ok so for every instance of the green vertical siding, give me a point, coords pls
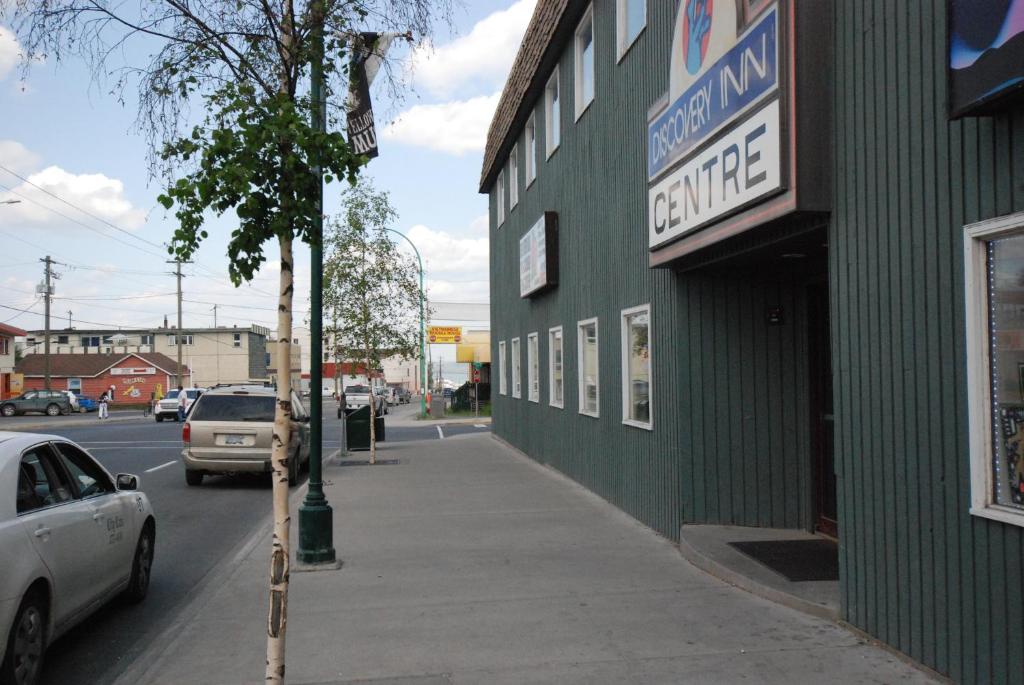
(917, 570)
(730, 442)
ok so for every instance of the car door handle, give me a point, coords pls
(42, 531)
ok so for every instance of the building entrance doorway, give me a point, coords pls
(822, 420)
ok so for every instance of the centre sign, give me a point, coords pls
(716, 146)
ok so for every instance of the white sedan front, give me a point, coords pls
(72, 537)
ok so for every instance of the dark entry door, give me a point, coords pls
(821, 410)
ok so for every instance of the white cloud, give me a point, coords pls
(452, 127)
(481, 224)
(10, 52)
(446, 254)
(95, 193)
(17, 157)
(482, 57)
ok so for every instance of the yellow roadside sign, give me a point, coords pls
(444, 334)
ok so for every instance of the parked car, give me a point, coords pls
(391, 396)
(167, 408)
(73, 399)
(73, 538)
(359, 396)
(230, 431)
(87, 404)
(404, 396)
(49, 402)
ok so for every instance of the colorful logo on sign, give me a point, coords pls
(696, 32)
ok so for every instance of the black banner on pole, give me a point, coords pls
(367, 52)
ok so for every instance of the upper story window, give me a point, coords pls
(589, 373)
(552, 115)
(146, 339)
(237, 341)
(584, 51)
(533, 367)
(631, 18)
(186, 339)
(499, 188)
(5, 346)
(513, 178)
(531, 149)
(502, 369)
(993, 263)
(90, 341)
(517, 390)
(556, 384)
(636, 366)
(62, 340)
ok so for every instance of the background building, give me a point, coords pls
(135, 376)
(7, 355)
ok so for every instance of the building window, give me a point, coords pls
(90, 341)
(586, 335)
(585, 62)
(513, 178)
(62, 340)
(531, 149)
(533, 367)
(5, 346)
(636, 366)
(993, 265)
(75, 385)
(502, 366)
(186, 339)
(108, 340)
(237, 342)
(631, 18)
(552, 115)
(500, 189)
(556, 385)
(517, 390)
(146, 339)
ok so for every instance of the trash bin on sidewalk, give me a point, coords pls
(357, 428)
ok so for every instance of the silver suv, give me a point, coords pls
(230, 430)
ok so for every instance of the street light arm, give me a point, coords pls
(423, 349)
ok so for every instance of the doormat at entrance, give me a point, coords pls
(366, 462)
(797, 560)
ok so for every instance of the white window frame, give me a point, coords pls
(146, 339)
(502, 369)
(621, 39)
(516, 353)
(533, 367)
(580, 385)
(979, 391)
(236, 340)
(549, 120)
(5, 346)
(623, 324)
(531, 150)
(551, 367)
(500, 189)
(578, 104)
(513, 178)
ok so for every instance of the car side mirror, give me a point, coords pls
(126, 481)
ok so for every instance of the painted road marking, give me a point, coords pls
(162, 466)
(440, 434)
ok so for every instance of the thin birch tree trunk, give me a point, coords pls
(277, 619)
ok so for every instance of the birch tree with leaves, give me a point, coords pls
(371, 288)
(250, 150)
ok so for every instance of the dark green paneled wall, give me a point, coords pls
(918, 570)
(730, 442)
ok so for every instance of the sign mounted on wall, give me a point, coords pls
(133, 371)
(538, 256)
(986, 54)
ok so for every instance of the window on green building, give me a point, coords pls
(636, 366)
(556, 387)
(589, 374)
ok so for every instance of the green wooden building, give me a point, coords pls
(762, 264)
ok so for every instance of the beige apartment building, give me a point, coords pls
(215, 355)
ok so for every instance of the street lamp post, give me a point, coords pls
(423, 363)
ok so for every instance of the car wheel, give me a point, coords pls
(194, 477)
(159, 418)
(142, 564)
(52, 410)
(26, 644)
(7, 410)
(81, 410)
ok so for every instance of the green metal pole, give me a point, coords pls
(316, 519)
(423, 328)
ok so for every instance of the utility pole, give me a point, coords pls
(214, 316)
(47, 294)
(178, 339)
(69, 319)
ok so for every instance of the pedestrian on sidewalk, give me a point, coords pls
(103, 405)
(182, 400)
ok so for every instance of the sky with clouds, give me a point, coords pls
(69, 152)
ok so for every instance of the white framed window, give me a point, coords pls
(630, 20)
(556, 381)
(502, 369)
(584, 62)
(5, 346)
(172, 340)
(589, 373)
(87, 341)
(146, 339)
(513, 177)
(531, 149)
(237, 341)
(517, 389)
(499, 189)
(993, 260)
(533, 367)
(552, 115)
(636, 366)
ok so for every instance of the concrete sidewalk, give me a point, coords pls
(468, 563)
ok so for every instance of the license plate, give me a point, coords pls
(234, 440)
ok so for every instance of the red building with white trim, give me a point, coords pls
(134, 375)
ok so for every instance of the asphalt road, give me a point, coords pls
(197, 528)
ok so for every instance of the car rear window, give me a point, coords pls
(234, 408)
(357, 389)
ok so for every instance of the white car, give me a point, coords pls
(167, 408)
(72, 536)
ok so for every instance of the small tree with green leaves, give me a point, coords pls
(371, 288)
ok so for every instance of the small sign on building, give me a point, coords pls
(538, 256)
(444, 334)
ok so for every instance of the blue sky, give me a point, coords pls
(67, 135)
